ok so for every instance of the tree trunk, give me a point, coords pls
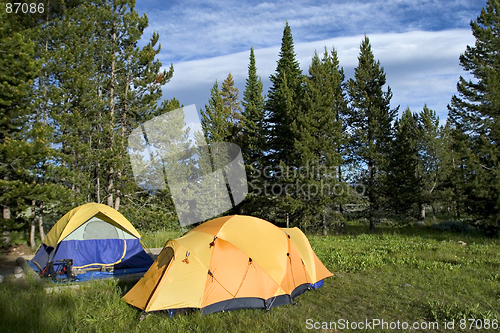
(40, 222)
(32, 224)
(117, 202)
(6, 212)
(123, 139)
(371, 196)
(45, 81)
(111, 175)
(434, 211)
(6, 207)
(371, 217)
(98, 194)
(32, 234)
(325, 227)
(117, 197)
(110, 188)
(341, 210)
(287, 221)
(422, 212)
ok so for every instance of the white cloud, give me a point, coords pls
(193, 30)
(421, 67)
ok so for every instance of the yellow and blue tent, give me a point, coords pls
(230, 263)
(95, 237)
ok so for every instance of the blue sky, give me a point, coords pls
(417, 42)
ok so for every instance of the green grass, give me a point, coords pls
(158, 238)
(407, 274)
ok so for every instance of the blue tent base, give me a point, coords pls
(249, 302)
(117, 273)
(128, 274)
(317, 285)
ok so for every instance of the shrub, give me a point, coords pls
(451, 225)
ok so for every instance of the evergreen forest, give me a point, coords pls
(319, 148)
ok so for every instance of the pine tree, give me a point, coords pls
(96, 86)
(46, 11)
(121, 28)
(18, 69)
(476, 122)
(457, 182)
(170, 136)
(371, 123)
(434, 158)
(253, 138)
(215, 119)
(26, 176)
(232, 107)
(221, 127)
(69, 96)
(253, 116)
(283, 103)
(282, 108)
(418, 169)
(138, 89)
(15, 75)
(404, 178)
(320, 137)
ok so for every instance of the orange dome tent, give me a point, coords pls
(230, 263)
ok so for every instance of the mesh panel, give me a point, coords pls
(100, 230)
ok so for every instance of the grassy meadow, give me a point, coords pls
(411, 274)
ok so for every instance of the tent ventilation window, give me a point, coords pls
(100, 230)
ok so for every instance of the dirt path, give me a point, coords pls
(9, 255)
(8, 258)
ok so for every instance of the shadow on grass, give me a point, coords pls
(27, 308)
(425, 232)
(125, 286)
